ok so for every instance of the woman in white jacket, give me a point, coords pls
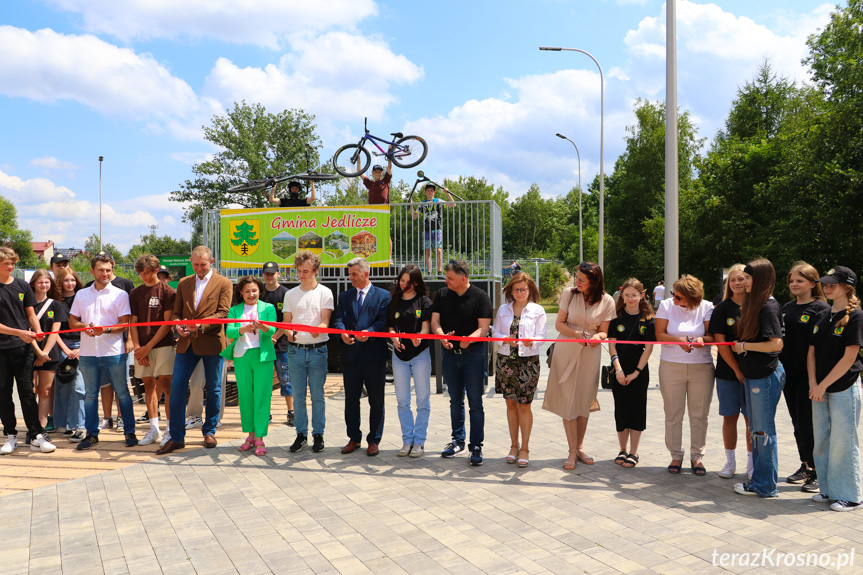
(521, 321)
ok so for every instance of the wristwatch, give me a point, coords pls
(107, 330)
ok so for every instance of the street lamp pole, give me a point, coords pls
(672, 259)
(601, 147)
(100, 202)
(580, 234)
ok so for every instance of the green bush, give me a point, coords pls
(552, 277)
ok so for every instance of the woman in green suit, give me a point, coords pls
(252, 350)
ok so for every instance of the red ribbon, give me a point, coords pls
(306, 328)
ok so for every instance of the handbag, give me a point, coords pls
(595, 405)
(607, 372)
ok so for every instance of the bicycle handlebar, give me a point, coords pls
(366, 125)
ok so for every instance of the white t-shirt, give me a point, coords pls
(305, 309)
(658, 293)
(248, 340)
(101, 308)
(684, 322)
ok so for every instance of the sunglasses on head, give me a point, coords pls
(585, 267)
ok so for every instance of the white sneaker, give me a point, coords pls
(165, 438)
(417, 451)
(821, 498)
(729, 469)
(42, 444)
(106, 423)
(150, 437)
(10, 445)
(405, 450)
(193, 422)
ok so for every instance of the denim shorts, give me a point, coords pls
(732, 397)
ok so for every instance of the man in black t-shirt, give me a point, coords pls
(274, 293)
(464, 310)
(18, 329)
(293, 200)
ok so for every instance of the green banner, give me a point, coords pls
(251, 237)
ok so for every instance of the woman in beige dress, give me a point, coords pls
(584, 313)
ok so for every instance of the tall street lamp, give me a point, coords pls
(601, 147)
(100, 202)
(672, 221)
(580, 235)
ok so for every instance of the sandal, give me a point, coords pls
(523, 461)
(621, 457)
(631, 461)
(587, 460)
(570, 466)
(674, 469)
(513, 452)
(698, 468)
(259, 448)
(250, 443)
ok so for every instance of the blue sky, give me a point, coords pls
(134, 81)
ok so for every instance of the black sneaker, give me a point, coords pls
(799, 476)
(318, 444)
(300, 442)
(131, 440)
(88, 442)
(476, 456)
(846, 506)
(811, 485)
(290, 418)
(451, 449)
(144, 418)
(49, 425)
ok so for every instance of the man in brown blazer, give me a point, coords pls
(204, 295)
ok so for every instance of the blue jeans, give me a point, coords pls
(413, 430)
(464, 374)
(283, 373)
(69, 397)
(837, 448)
(308, 367)
(116, 368)
(184, 365)
(762, 397)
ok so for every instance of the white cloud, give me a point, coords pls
(52, 163)
(336, 75)
(46, 67)
(258, 22)
(53, 212)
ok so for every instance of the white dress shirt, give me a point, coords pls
(200, 286)
(101, 308)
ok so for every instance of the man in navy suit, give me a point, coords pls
(363, 308)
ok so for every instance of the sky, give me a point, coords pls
(135, 80)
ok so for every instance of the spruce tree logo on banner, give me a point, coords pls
(245, 236)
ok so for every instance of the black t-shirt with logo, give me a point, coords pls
(461, 313)
(799, 319)
(630, 327)
(408, 316)
(756, 364)
(74, 335)
(277, 298)
(724, 321)
(830, 343)
(432, 212)
(293, 202)
(15, 298)
(55, 312)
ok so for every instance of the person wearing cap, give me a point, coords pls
(107, 392)
(293, 200)
(274, 294)
(834, 371)
(379, 184)
(431, 210)
(164, 274)
(58, 262)
(152, 301)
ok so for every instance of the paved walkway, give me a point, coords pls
(219, 511)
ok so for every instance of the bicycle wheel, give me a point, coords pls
(413, 151)
(346, 157)
(252, 185)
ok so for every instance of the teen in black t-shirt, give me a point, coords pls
(799, 316)
(634, 322)
(730, 387)
(274, 293)
(834, 371)
(50, 313)
(759, 341)
(410, 313)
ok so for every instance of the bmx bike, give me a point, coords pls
(353, 160)
(309, 175)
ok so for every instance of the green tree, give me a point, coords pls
(91, 248)
(13, 237)
(253, 144)
(635, 203)
(159, 247)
